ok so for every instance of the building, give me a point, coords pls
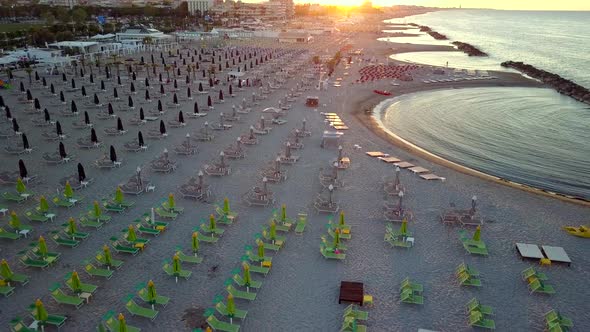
(139, 33)
(294, 37)
(64, 3)
(201, 6)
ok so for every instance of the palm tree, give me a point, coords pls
(117, 63)
(167, 69)
(29, 70)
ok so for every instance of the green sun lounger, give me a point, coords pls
(408, 296)
(231, 216)
(76, 235)
(467, 280)
(475, 250)
(52, 319)
(61, 202)
(6, 290)
(22, 279)
(51, 257)
(93, 217)
(466, 268)
(165, 214)
(350, 325)
(266, 235)
(357, 314)
(474, 305)
(189, 258)
(29, 262)
(530, 272)
(476, 319)
(240, 282)
(124, 249)
(112, 324)
(60, 297)
(331, 255)
(100, 259)
(301, 222)
(414, 287)
(255, 258)
(9, 235)
(64, 242)
(342, 234)
(182, 274)
(270, 246)
(259, 269)
(176, 209)
(238, 294)
(17, 325)
(147, 230)
(137, 310)
(217, 231)
(85, 288)
(34, 216)
(218, 325)
(208, 239)
(90, 223)
(222, 309)
(98, 272)
(537, 286)
(553, 317)
(112, 207)
(12, 197)
(160, 300)
(147, 219)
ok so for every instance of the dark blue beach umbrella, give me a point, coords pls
(175, 99)
(74, 107)
(26, 145)
(115, 93)
(140, 139)
(120, 125)
(83, 91)
(162, 127)
(37, 104)
(58, 130)
(130, 102)
(180, 117)
(147, 82)
(200, 87)
(209, 102)
(62, 150)
(63, 77)
(62, 98)
(196, 108)
(210, 82)
(93, 137)
(15, 125)
(46, 115)
(22, 169)
(133, 76)
(119, 80)
(91, 78)
(160, 108)
(81, 173)
(110, 109)
(162, 89)
(44, 81)
(175, 84)
(147, 94)
(102, 86)
(22, 87)
(29, 95)
(113, 154)
(141, 115)
(96, 100)
(86, 118)
(220, 94)
(52, 89)
(73, 84)
(132, 87)
(159, 76)
(188, 92)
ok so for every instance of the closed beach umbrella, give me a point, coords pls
(91, 78)
(210, 82)
(336, 238)
(5, 270)
(176, 83)
(113, 154)
(212, 223)
(131, 236)
(283, 213)
(141, 114)
(73, 84)
(196, 108)
(231, 308)
(176, 268)
(120, 125)
(43, 205)
(22, 169)
(52, 89)
(162, 127)
(273, 231)
(108, 258)
(93, 137)
(162, 89)
(62, 98)
(140, 139)
(72, 228)
(147, 95)
(151, 293)
(175, 99)
(81, 173)
(195, 242)
(239, 84)
(119, 80)
(119, 196)
(41, 314)
(86, 118)
(130, 102)
(7, 113)
(209, 102)
(477, 234)
(226, 209)
(180, 117)
(247, 277)
(122, 323)
(37, 104)
(75, 282)
(25, 140)
(46, 115)
(403, 230)
(260, 251)
(68, 191)
(42, 247)
(22, 87)
(73, 107)
(97, 212)
(110, 109)
(84, 94)
(15, 125)
(231, 91)
(200, 87)
(171, 202)
(160, 107)
(62, 150)
(58, 130)
(96, 100)
(132, 88)
(115, 93)
(342, 222)
(102, 86)
(14, 221)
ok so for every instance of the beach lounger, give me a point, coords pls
(240, 282)
(218, 325)
(60, 202)
(208, 239)
(112, 324)
(189, 258)
(22, 279)
(552, 317)
(414, 287)
(467, 280)
(474, 305)
(259, 269)
(466, 268)
(8, 235)
(64, 242)
(222, 309)
(120, 248)
(165, 214)
(5, 289)
(331, 255)
(301, 222)
(408, 296)
(255, 258)
(176, 209)
(12, 197)
(50, 257)
(182, 274)
(351, 311)
(350, 325)
(100, 259)
(88, 223)
(537, 286)
(34, 216)
(52, 319)
(60, 297)
(476, 250)
(531, 273)
(30, 262)
(147, 230)
(160, 300)
(476, 319)
(250, 296)
(93, 271)
(137, 310)
(86, 288)
(216, 231)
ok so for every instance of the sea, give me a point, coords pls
(532, 136)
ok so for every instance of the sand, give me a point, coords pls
(301, 291)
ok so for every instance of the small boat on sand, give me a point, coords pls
(581, 231)
(382, 92)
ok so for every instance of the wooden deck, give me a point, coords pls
(351, 292)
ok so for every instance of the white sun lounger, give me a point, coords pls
(530, 251)
(418, 170)
(431, 176)
(389, 160)
(556, 254)
(404, 164)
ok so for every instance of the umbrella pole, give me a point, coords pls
(176, 279)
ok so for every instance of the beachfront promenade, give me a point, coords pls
(300, 293)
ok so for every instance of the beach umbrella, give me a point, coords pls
(273, 231)
(131, 236)
(22, 170)
(119, 80)
(162, 127)
(200, 87)
(336, 238)
(84, 94)
(14, 221)
(231, 91)
(231, 308)
(130, 102)
(147, 95)
(97, 212)
(396, 182)
(171, 202)
(342, 222)
(115, 93)
(43, 205)
(473, 205)
(119, 196)
(42, 247)
(120, 125)
(52, 89)
(62, 150)
(140, 139)
(58, 130)
(210, 82)
(68, 191)
(159, 76)
(175, 99)
(226, 209)
(132, 88)
(175, 84)
(180, 117)
(477, 234)
(196, 108)
(7, 112)
(187, 80)
(147, 82)
(403, 230)
(160, 107)
(212, 223)
(62, 98)
(75, 281)
(113, 154)
(162, 89)
(102, 87)
(176, 268)
(96, 100)
(41, 314)
(110, 109)
(81, 173)
(73, 84)
(37, 104)
(151, 293)
(283, 213)
(20, 186)
(247, 278)
(122, 323)
(74, 107)
(108, 258)
(204, 75)
(141, 114)
(25, 140)
(15, 126)
(22, 89)
(93, 137)
(133, 76)
(91, 78)
(5, 271)
(260, 250)
(63, 77)
(195, 242)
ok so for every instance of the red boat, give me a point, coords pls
(382, 92)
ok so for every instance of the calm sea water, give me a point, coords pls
(532, 136)
(555, 41)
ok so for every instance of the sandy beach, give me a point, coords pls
(301, 291)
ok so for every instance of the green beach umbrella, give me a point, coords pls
(122, 323)
(247, 277)
(72, 226)
(273, 231)
(42, 247)
(176, 266)
(260, 250)
(336, 238)
(101, 328)
(108, 258)
(283, 213)
(20, 186)
(14, 221)
(151, 289)
(68, 191)
(40, 312)
(171, 202)
(212, 224)
(404, 228)
(97, 210)
(342, 222)
(477, 234)
(195, 242)
(43, 205)
(131, 236)
(231, 307)
(5, 270)
(76, 283)
(119, 196)
(226, 206)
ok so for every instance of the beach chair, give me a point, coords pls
(207, 239)
(60, 297)
(5, 289)
(75, 235)
(259, 269)
(52, 319)
(237, 278)
(50, 257)
(408, 296)
(414, 287)
(531, 273)
(160, 300)
(222, 309)
(250, 296)
(350, 325)
(89, 223)
(57, 239)
(62, 202)
(331, 255)
(189, 258)
(12, 197)
(137, 310)
(474, 305)
(476, 319)
(22, 279)
(175, 209)
(30, 262)
(115, 263)
(142, 229)
(93, 271)
(301, 222)
(467, 280)
(552, 317)
(34, 216)
(161, 212)
(218, 325)
(113, 325)
(255, 258)
(121, 248)
(537, 286)
(86, 288)
(182, 274)
(113, 207)
(9, 235)
(351, 311)
(147, 220)
(466, 268)
(17, 325)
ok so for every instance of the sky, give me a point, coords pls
(493, 4)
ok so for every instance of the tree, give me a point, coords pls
(79, 15)
(64, 35)
(62, 14)
(48, 18)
